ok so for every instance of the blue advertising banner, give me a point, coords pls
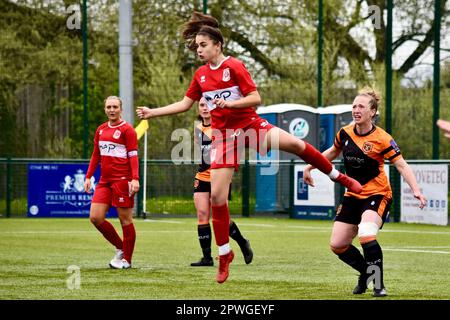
(57, 190)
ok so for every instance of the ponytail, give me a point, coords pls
(201, 24)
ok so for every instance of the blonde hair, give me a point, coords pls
(373, 94)
(114, 97)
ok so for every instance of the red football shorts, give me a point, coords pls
(115, 193)
(228, 144)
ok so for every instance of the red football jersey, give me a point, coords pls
(115, 147)
(230, 80)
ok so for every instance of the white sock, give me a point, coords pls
(333, 174)
(224, 249)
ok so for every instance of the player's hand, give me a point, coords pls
(221, 103)
(134, 187)
(87, 185)
(144, 112)
(307, 178)
(445, 126)
(422, 199)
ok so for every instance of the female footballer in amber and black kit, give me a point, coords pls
(365, 147)
(232, 96)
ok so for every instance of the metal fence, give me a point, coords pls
(170, 186)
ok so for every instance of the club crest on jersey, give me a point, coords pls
(202, 79)
(226, 75)
(367, 147)
(100, 132)
(116, 134)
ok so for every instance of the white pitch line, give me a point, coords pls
(256, 225)
(415, 231)
(88, 232)
(426, 247)
(162, 221)
(307, 227)
(417, 251)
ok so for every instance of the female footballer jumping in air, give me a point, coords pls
(202, 193)
(365, 147)
(232, 96)
(115, 148)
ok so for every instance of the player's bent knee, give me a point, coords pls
(126, 221)
(218, 200)
(367, 231)
(338, 250)
(203, 217)
(96, 220)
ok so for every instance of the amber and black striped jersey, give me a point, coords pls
(364, 157)
(203, 137)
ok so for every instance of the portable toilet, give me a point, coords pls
(273, 187)
(332, 119)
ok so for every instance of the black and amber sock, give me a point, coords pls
(204, 237)
(374, 259)
(236, 235)
(353, 257)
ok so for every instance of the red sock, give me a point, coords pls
(129, 238)
(108, 231)
(312, 156)
(221, 224)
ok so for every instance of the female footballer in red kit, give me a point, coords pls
(115, 148)
(232, 97)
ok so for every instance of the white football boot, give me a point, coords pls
(120, 264)
(118, 256)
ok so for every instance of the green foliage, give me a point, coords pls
(41, 97)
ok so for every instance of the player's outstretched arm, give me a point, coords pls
(177, 107)
(408, 175)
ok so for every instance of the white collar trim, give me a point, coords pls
(116, 126)
(218, 66)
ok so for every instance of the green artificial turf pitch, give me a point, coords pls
(292, 261)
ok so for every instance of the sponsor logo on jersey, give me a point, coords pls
(226, 75)
(367, 147)
(228, 94)
(116, 134)
(111, 149)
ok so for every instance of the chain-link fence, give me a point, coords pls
(169, 187)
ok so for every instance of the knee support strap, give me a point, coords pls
(367, 229)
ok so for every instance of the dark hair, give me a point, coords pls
(199, 117)
(201, 24)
